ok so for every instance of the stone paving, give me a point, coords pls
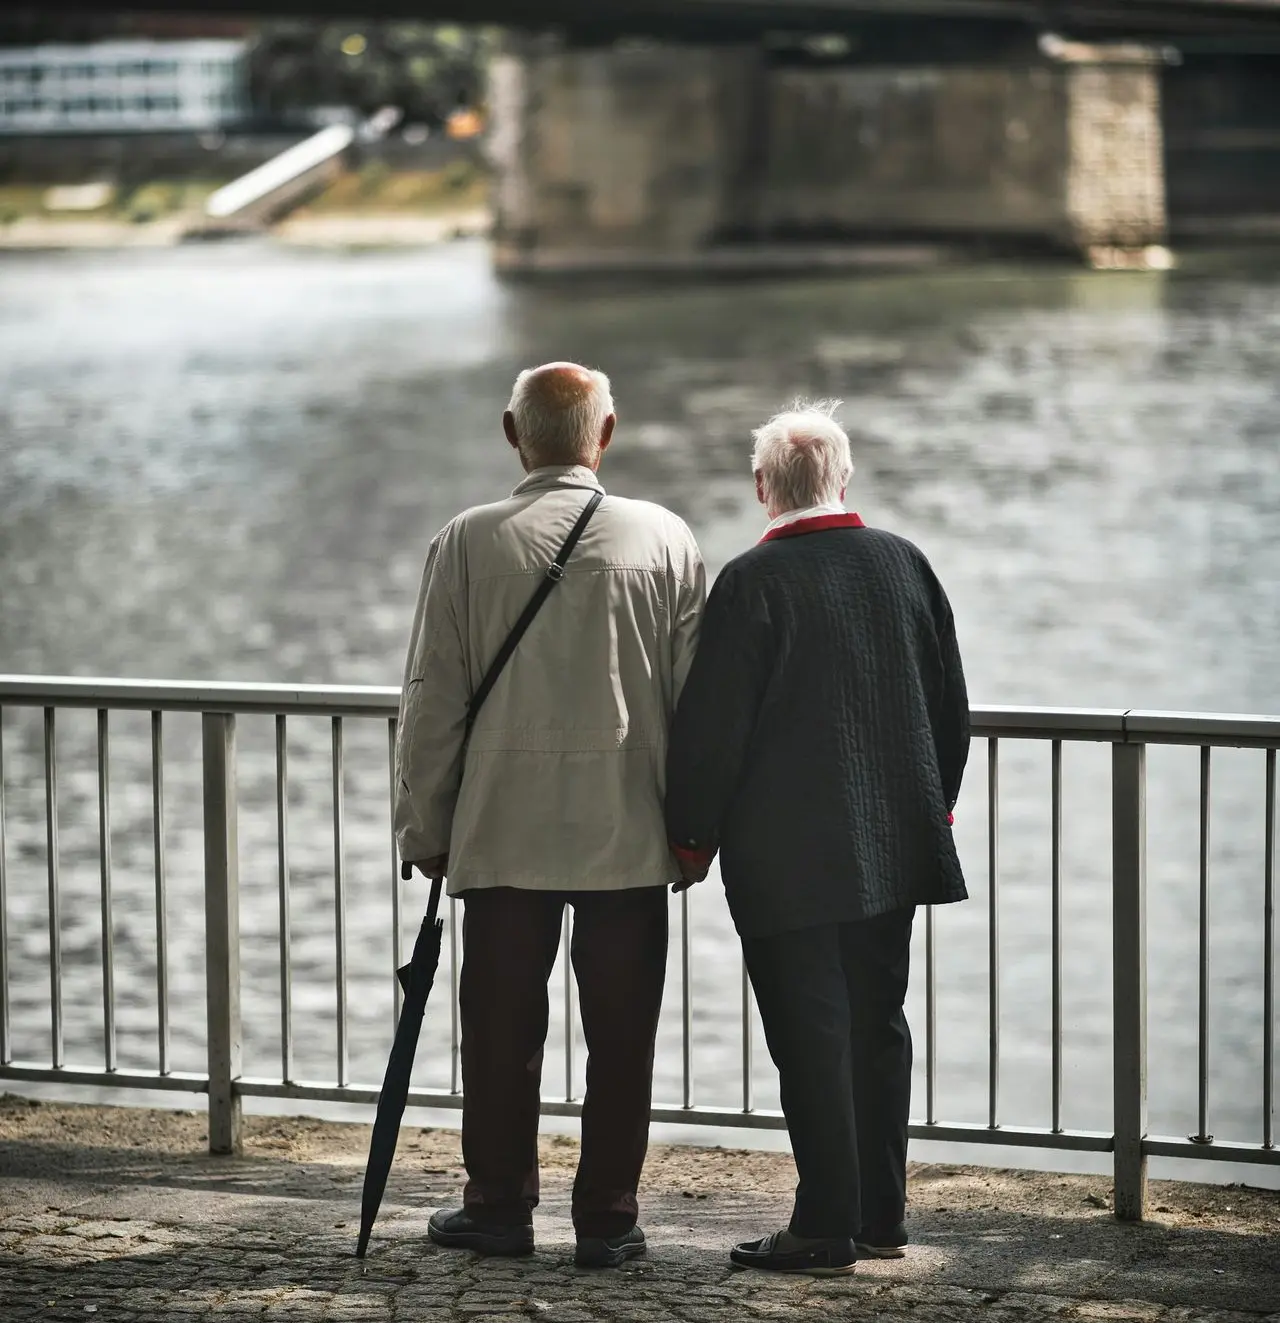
(112, 1213)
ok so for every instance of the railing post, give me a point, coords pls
(222, 930)
(1129, 975)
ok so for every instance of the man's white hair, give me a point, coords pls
(802, 456)
(558, 430)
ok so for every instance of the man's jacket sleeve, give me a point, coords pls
(431, 734)
(714, 721)
(691, 601)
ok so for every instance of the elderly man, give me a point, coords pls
(550, 796)
(819, 746)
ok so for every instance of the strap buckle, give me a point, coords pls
(555, 572)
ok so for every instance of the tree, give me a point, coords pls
(426, 70)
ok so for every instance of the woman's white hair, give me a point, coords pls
(556, 430)
(802, 456)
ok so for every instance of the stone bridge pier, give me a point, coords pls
(646, 156)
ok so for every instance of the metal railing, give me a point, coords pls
(1129, 733)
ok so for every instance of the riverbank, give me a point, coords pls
(46, 234)
(373, 207)
(120, 1213)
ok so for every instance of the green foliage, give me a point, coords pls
(425, 69)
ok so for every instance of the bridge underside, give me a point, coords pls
(729, 19)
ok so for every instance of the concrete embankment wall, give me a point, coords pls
(668, 150)
(884, 150)
(620, 149)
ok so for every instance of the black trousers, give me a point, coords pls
(831, 1003)
(619, 952)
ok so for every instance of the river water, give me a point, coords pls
(227, 462)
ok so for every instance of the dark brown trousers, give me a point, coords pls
(619, 951)
(831, 1003)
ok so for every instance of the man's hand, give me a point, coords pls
(693, 869)
(432, 868)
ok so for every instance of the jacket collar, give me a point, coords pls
(816, 524)
(558, 475)
(805, 512)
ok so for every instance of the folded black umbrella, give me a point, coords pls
(415, 979)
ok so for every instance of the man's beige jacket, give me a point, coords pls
(560, 785)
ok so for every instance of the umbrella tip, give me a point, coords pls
(362, 1245)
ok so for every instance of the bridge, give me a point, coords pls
(693, 134)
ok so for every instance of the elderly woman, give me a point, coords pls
(818, 747)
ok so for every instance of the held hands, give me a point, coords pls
(693, 869)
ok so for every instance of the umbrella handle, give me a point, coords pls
(433, 908)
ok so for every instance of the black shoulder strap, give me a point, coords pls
(555, 572)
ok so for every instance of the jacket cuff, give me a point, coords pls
(414, 848)
(692, 854)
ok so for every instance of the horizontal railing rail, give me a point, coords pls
(1128, 731)
(1115, 725)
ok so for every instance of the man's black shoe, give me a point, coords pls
(455, 1228)
(611, 1252)
(817, 1258)
(890, 1244)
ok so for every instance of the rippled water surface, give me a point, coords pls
(227, 463)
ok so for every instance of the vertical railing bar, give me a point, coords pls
(224, 1024)
(930, 1020)
(397, 945)
(455, 1073)
(1268, 956)
(104, 864)
(568, 1004)
(282, 882)
(1202, 1133)
(6, 1048)
(1129, 977)
(340, 900)
(686, 1008)
(1056, 883)
(55, 902)
(993, 934)
(748, 1090)
(161, 884)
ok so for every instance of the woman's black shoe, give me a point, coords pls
(455, 1228)
(610, 1252)
(819, 1258)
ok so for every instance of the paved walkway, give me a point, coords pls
(119, 1214)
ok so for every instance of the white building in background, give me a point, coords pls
(123, 86)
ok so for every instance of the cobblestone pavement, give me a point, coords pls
(112, 1213)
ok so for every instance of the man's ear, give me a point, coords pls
(509, 427)
(760, 496)
(606, 433)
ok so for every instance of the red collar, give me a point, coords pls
(815, 525)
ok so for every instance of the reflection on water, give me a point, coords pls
(227, 463)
